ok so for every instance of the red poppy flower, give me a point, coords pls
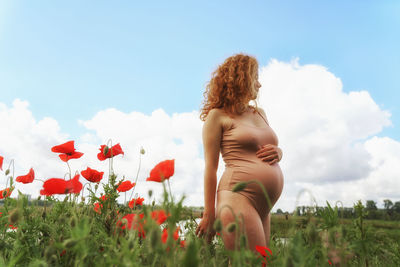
(12, 226)
(164, 235)
(73, 155)
(92, 175)
(103, 198)
(162, 171)
(133, 222)
(136, 202)
(159, 216)
(125, 186)
(176, 233)
(183, 243)
(65, 148)
(105, 151)
(262, 251)
(26, 179)
(68, 151)
(60, 186)
(54, 186)
(97, 207)
(73, 185)
(1, 162)
(5, 193)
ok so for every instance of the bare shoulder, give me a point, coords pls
(261, 110)
(218, 116)
(215, 114)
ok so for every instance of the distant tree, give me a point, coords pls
(371, 208)
(279, 211)
(371, 205)
(396, 207)
(388, 204)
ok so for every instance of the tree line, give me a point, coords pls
(390, 212)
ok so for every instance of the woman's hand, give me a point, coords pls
(205, 228)
(269, 153)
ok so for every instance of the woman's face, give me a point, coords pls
(255, 87)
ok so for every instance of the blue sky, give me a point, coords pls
(71, 59)
(329, 71)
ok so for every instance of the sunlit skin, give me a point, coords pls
(257, 229)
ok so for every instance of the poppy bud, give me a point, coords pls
(150, 193)
(96, 186)
(218, 225)
(7, 172)
(142, 151)
(14, 216)
(231, 227)
(83, 199)
(239, 187)
(69, 243)
(153, 203)
(105, 151)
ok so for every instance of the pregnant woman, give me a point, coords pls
(249, 148)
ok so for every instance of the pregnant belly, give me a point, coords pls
(268, 176)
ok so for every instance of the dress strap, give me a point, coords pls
(262, 117)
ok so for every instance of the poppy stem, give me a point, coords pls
(69, 168)
(170, 192)
(264, 191)
(111, 170)
(83, 188)
(137, 174)
(9, 165)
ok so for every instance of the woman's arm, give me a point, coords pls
(212, 131)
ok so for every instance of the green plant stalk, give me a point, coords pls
(264, 191)
(137, 175)
(69, 168)
(9, 165)
(170, 192)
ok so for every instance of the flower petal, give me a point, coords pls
(26, 179)
(67, 147)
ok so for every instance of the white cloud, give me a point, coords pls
(28, 142)
(327, 137)
(323, 132)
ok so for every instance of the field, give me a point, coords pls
(98, 231)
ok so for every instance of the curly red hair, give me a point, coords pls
(230, 85)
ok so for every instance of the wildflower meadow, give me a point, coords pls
(93, 229)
